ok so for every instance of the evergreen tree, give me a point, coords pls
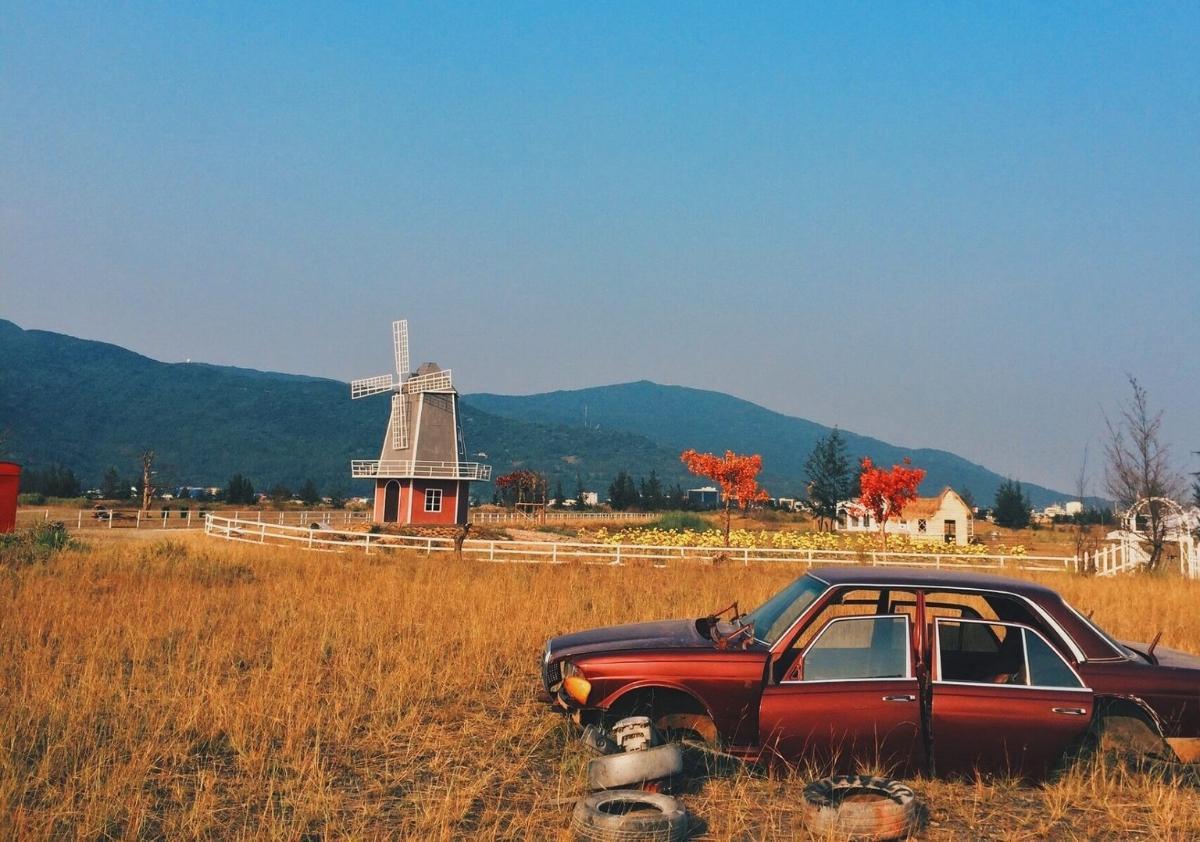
(653, 499)
(110, 488)
(280, 493)
(829, 477)
(54, 481)
(558, 494)
(622, 493)
(309, 493)
(676, 498)
(1012, 505)
(239, 491)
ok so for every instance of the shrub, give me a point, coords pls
(34, 545)
(680, 521)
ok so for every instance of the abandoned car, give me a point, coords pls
(941, 672)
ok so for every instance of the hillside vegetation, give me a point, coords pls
(91, 405)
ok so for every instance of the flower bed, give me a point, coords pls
(750, 539)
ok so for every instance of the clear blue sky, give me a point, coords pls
(944, 225)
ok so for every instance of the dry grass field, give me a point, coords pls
(188, 688)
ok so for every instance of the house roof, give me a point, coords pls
(925, 507)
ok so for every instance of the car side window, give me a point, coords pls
(1046, 667)
(857, 648)
(982, 652)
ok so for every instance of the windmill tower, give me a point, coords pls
(420, 477)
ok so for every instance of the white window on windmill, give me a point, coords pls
(433, 499)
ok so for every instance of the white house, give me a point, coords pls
(945, 518)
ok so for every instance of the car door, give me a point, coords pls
(850, 699)
(1003, 700)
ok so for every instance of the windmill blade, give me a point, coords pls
(370, 386)
(399, 422)
(400, 343)
(435, 381)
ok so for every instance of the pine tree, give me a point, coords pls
(309, 493)
(653, 499)
(829, 477)
(1012, 506)
(239, 490)
(558, 494)
(110, 488)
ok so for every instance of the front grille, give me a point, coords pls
(551, 675)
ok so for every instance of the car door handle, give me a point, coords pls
(1070, 711)
(906, 697)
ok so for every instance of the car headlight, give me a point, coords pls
(568, 669)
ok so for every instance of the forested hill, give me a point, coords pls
(91, 405)
(678, 417)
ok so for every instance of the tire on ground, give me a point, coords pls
(625, 815)
(635, 767)
(860, 807)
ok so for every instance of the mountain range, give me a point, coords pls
(91, 405)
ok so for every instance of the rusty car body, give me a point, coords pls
(941, 672)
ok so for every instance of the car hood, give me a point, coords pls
(660, 634)
(1170, 657)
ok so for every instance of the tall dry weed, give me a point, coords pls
(189, 689)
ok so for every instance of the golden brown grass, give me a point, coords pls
(190, 688)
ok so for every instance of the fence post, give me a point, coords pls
(137, 524)
(491, 550)
(110, 514)
(618, 561)
(554, 553)
(262, 532)
(368, 544)
(745, 556)
(79, 525)
(310, 532)
(189, 519)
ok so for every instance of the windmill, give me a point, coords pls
(420, 475)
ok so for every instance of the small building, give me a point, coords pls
(590, 498)
(10, 484)
(945, 518)
(708, 497)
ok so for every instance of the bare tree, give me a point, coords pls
(147, 488)
(1139, 466)
(1084, 541)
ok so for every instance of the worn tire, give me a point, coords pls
(635, 767)
(860, 807)
(629, 815)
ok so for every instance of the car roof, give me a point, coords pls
(929, 578)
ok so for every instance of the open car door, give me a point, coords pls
(1003, 700)
(850, 698)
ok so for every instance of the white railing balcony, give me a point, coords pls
(403, 469)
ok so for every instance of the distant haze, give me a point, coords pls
(955, 227)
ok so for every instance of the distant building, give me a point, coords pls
(707, 497)
(942, 518)
(591, 498)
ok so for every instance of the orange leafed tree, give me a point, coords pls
(885, 493)
(737, 476)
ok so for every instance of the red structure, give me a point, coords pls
(10, 482)
(420, 476)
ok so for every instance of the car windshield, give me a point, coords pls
(776, 615)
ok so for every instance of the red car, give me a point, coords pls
(917, 670)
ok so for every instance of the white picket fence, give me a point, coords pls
(181, 519)
(566, 552)
(558, 517)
